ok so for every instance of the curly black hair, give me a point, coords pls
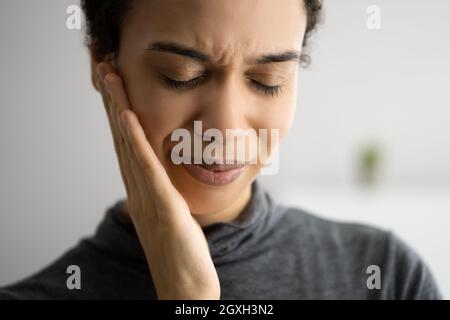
(104, 19)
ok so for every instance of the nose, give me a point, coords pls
(224, 106)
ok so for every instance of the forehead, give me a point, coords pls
(221, 28)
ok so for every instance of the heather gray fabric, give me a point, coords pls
(269, 252)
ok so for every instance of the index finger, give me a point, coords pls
(117, 98)
(128, 123)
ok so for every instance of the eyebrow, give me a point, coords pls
(182, 50)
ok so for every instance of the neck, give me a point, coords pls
(229, 214)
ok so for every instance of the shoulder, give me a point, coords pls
(356, 246)
(322, 231)
(51, 281)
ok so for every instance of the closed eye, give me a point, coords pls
(183, 85)
(271, 91)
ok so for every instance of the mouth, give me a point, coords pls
(215, 174)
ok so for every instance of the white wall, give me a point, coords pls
(58, 171)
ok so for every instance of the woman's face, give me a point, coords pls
(239, 73)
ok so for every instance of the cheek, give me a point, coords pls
(280, 113)
(160, 112)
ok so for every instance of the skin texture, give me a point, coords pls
(166, 204)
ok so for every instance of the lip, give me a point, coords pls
(215, 174)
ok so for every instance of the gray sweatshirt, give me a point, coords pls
(269, 252)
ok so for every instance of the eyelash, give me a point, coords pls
(270, 91)
(183, 85)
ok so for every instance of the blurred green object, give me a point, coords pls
(369, 163)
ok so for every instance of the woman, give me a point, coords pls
(208, 230)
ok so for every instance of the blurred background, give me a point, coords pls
(370, 142)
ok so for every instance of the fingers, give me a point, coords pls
(142, 169)
(103, 70)
(115, 91)
(154, 172)
(117, 103)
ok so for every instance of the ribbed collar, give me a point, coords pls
(227, 240)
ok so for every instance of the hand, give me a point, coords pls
(173, 242)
